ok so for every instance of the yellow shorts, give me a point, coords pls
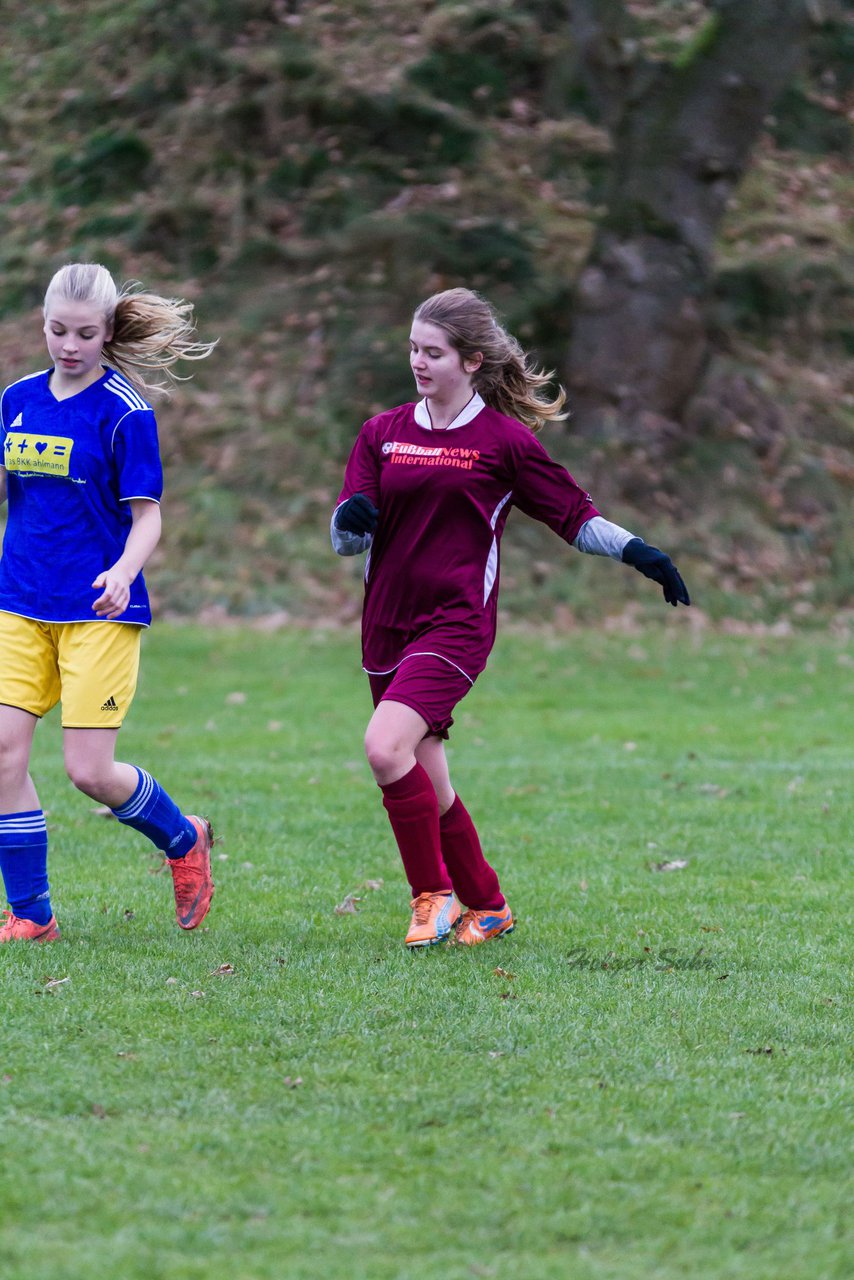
(91, 666)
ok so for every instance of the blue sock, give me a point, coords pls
(23, 862)
(154, 813)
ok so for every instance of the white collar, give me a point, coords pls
(469, 411)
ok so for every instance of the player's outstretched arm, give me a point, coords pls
(655, 564)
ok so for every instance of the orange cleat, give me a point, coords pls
(16, 929)
(191, 877)
(479, 926)
(433, 917)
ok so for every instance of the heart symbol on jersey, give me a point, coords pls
(41, 446)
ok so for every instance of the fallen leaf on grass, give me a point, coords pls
(103, 811)
(507, 995)
(222, 971)
(99, 1111)
(170, 982)
(710, 928)
(766, 1049)
(722, 977)
(50, 983)
(504, 973)
(677, 864)
(236, 699)
(292, 1083)
(347, 907)
(198, 994)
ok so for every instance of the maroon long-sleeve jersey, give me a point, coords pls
(431, 581)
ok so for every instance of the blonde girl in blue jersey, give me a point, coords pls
(82, 474)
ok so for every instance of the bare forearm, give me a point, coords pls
(142, 539)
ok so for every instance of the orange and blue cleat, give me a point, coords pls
(16, 929)
(479, 926)
(433, 918)
(191, 877)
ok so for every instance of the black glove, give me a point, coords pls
(357, 515)
(654, 564)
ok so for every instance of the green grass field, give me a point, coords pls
(648, 1079)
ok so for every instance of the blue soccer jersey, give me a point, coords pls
(72, 467)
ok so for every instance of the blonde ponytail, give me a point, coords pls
(150, 334)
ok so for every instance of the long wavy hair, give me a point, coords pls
(150, 333)
(507, 379)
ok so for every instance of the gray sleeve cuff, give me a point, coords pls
(599, 537)
(348, 544)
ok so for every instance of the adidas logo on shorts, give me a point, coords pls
(110, 704)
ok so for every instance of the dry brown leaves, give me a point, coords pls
(50, 984)
(347, 905)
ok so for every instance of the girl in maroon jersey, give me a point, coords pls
(427, 492)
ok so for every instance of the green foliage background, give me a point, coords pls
(307, 172)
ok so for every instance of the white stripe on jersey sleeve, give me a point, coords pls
(120, 382)
(124, 392)
(492, 559)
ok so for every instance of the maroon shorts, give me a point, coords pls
(429, 685)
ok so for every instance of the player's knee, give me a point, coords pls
(87, 776)
(383, 753)
(14, 761)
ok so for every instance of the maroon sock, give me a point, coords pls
(475, 883)
(413, 812)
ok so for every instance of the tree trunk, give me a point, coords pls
(682, 133)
